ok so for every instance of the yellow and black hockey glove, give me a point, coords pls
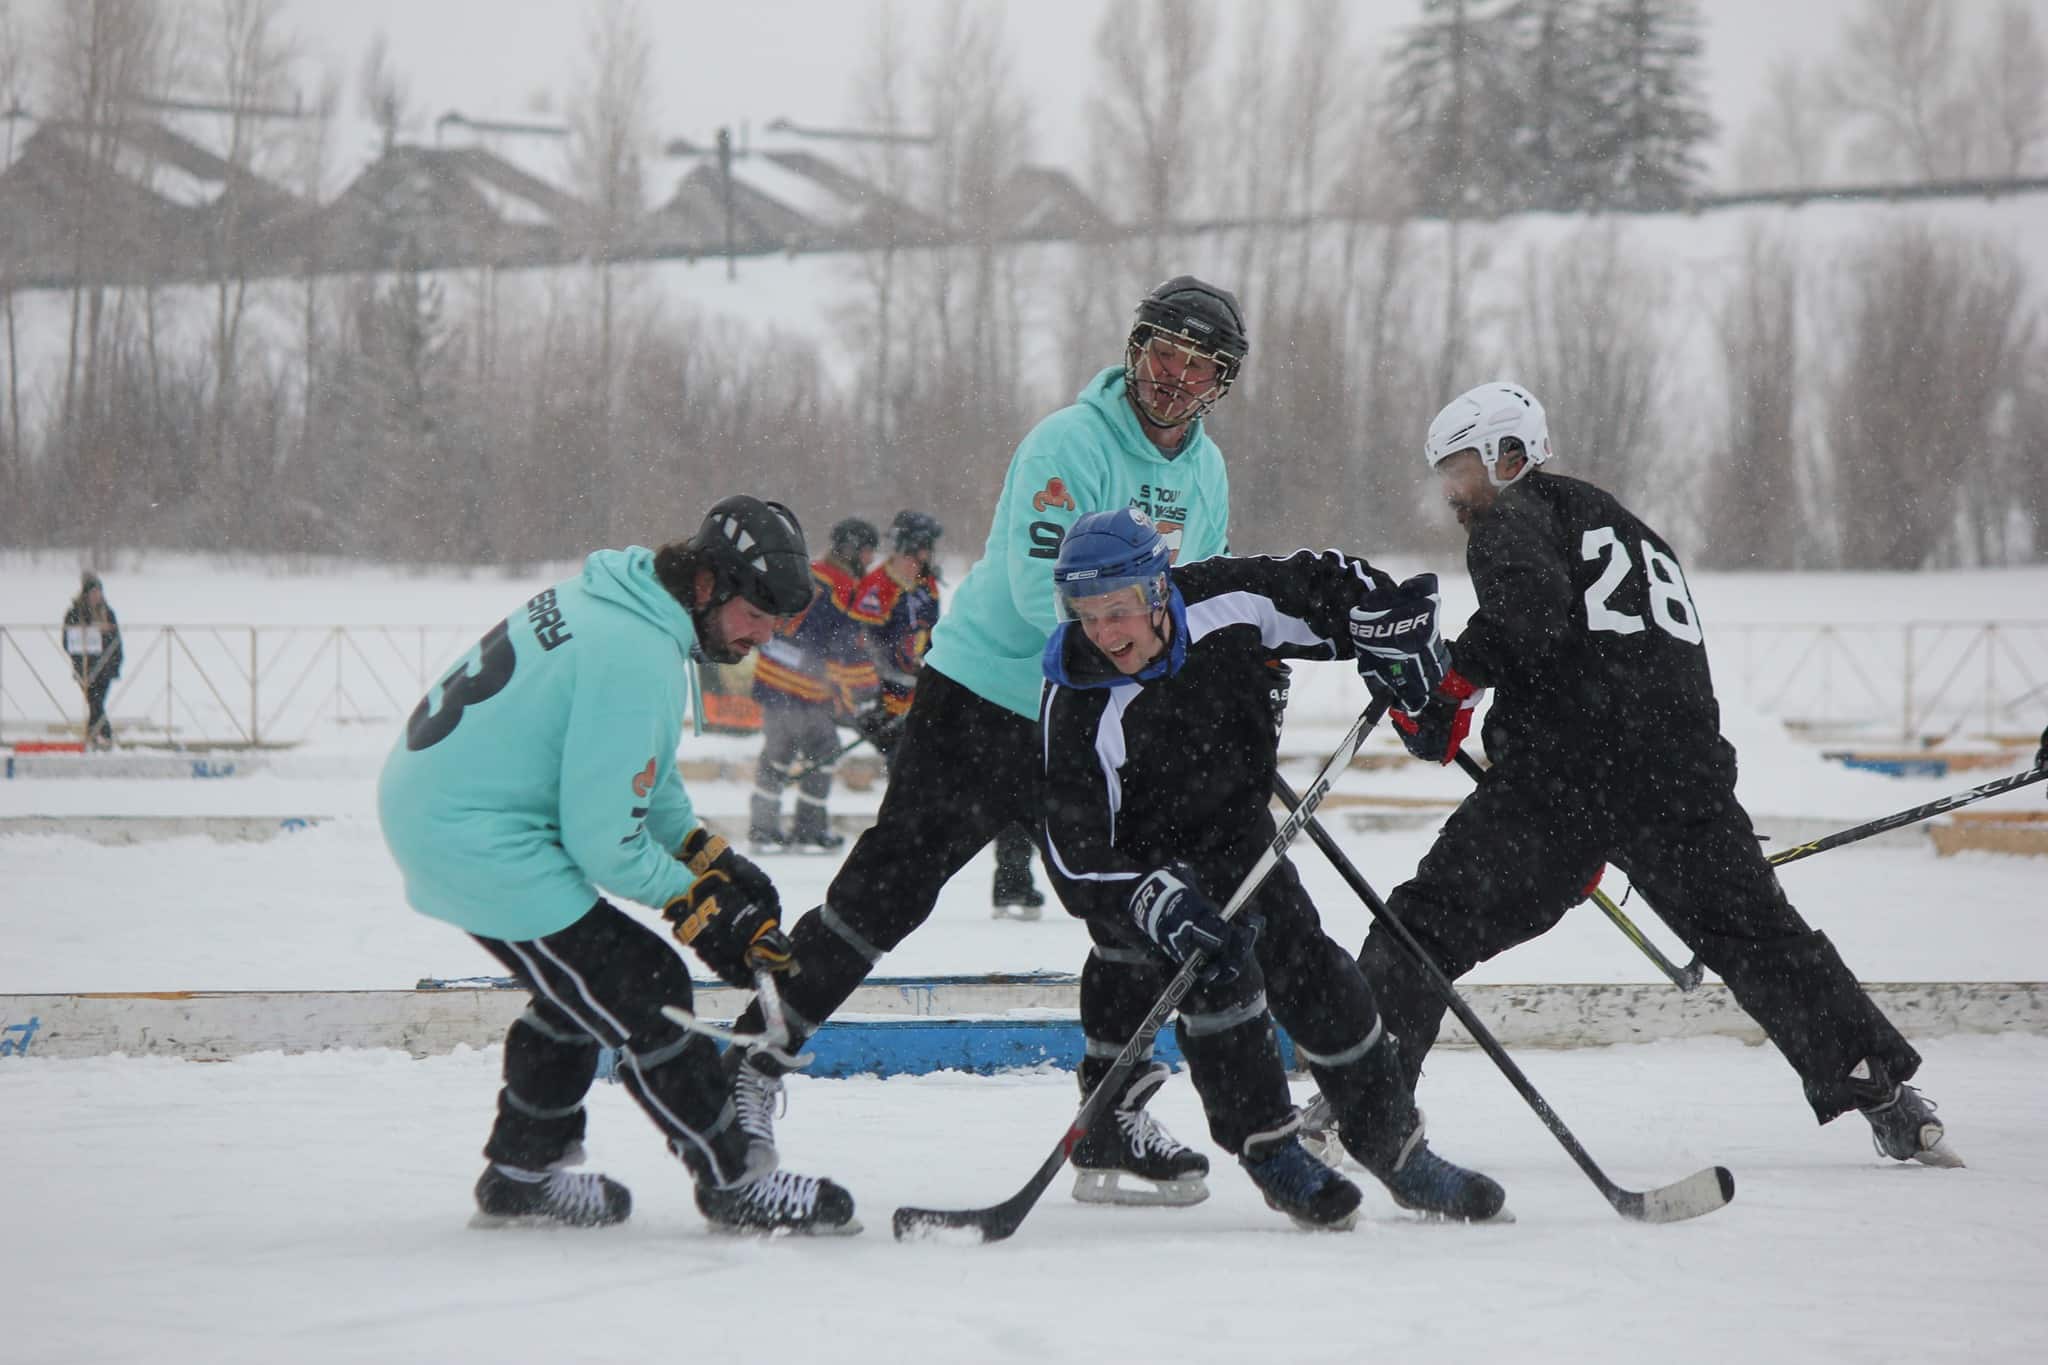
(731, 916)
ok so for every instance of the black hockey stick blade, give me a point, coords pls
(991, 1224)
(1695, 1196)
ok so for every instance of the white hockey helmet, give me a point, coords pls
(1481, 418)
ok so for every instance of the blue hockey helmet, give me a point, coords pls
(1105, 552)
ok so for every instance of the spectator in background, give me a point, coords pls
(92, 637)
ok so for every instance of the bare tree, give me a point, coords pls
(100, 56)
(12, 94)
(1940, 330)
(1789, 139)
(252, 59)
(384, 94)
(1897, 80)
(611, 129)
(2009, 90)
(1588, 341)
(1754, 513)
(883, 97)
(1154, 114)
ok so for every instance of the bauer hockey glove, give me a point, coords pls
(1395, 635)
(731, 916)
(1438, 730)
(1170, 909)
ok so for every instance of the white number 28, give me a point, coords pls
(1670, 600)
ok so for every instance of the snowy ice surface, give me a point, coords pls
(313, 1209)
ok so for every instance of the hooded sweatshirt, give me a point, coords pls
(1091, 456)
(542, 766)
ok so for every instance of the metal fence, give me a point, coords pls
(227, 685)
(251, 685)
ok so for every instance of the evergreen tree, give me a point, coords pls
(1554, 102)
(1453, 91)
(1652, 117)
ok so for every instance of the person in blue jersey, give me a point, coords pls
(1159, 762)
(967, 764)
(538, 777)
(813, 675)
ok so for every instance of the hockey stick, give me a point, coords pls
(894, 730)
(772, 1040)
(1886, 823)
(1685, 978)
(1697, 1194)
(1000, 1220)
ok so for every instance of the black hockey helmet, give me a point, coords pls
(1199, 317)
(914, 531)
(852, 535)
(755, 550)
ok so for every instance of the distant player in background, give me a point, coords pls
(1159, 763)
(1606, 746)
(905, 591)
(544, 767)
(814, 675)
(92, 640)
(967, 765)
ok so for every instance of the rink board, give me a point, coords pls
(905, 1026)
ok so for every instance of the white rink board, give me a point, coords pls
(211, 1025)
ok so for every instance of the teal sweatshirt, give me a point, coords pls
(1089, 457)
(543, 766)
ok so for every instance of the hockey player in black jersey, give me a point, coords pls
(1606, 747)
(1159, 759)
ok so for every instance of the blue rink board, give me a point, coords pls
(917, 1047)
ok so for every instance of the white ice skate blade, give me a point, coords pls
(1106, 1187)
(1505, 1216)
(1939, 1154)
(1024, 913)
(845, 1229)
(529, 1222)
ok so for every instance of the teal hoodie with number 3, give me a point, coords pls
(542, 766)
(1091, 456)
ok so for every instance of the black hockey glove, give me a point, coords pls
(878, 727)
(1279, 681)
(1170, 909)
(1395, 634)
(2041, 754)
(731, 916)
(1438, 730)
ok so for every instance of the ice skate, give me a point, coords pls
(1427, 1184)
(811, 833)
(1296, 1184)
(507, 1196)
(765, 840)
(1128, 1157)
(758, 1101)
(1024, 903)
(780, 1202)
(1902, 1124)
(1319, 1133)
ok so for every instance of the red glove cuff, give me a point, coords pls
(1458, 687)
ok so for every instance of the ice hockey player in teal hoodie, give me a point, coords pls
(539, 775)
(968, 763)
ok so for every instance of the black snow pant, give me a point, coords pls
(794, 736)
(95, 681)
(1519, 852)
(1299, 976)
(603, 981)
(963, 770)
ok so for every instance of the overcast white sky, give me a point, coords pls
(748, 61)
